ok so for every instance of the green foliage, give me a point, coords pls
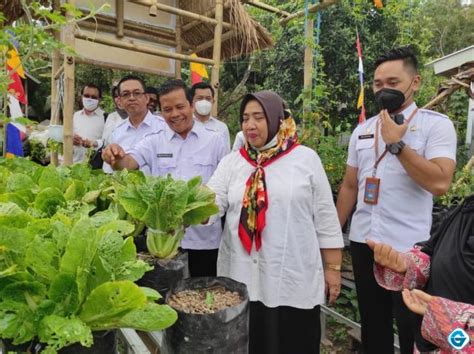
(333, 154)
(166, 206)
(67, 267)
(347, 304)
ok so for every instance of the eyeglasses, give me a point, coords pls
(90, 96)
(128, 95)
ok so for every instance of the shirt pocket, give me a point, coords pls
(365, 152)
(418, 145)
(166, 165)
(204, 167)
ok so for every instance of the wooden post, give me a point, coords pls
(184, 13)
(179, 46)
(55, 65)
(69, 90)
(308, 70)
(216, 55)
(140, 48)
(119, 5)
(267, 7)
(311, 9)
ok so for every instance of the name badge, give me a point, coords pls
(371, 193)
(366, 136)
(165, 155)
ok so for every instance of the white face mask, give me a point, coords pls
(90, 104)
(203, 107)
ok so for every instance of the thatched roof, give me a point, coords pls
(12, 9)
(250, 35)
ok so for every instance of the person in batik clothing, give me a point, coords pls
(443, 267)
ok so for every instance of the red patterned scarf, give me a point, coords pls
(255, 202)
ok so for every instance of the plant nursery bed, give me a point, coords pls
(205, 300)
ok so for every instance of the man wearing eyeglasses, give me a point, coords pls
(88, 123)
(140, 122)
(183, 149)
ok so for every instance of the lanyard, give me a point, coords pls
(377, 157)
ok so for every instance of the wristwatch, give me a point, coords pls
(396, 148)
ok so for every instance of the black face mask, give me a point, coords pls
(389, 99)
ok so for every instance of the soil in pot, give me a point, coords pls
(206, 300)
(166, 272)
(213, 317)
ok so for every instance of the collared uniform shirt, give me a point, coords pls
(300, 220)
(215, 125)
(402, 216)
(166, 152)
(113, 121)
(88, 127)
(127, 136)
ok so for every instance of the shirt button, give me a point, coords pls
(255, 261)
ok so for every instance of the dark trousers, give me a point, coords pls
(284, 330)
(378, 306)
(202, 263)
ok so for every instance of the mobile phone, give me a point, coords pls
(398, 118)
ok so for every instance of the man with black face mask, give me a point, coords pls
(397, 161)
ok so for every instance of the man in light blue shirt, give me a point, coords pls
(184, 150)
(140, 121)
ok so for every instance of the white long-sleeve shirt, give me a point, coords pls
(300, 220)
(87, 127)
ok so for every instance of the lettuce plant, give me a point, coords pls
(167, 206)
(62, 279)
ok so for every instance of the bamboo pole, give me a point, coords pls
(59, 71)
(131, 32)
(119, 5)
(55, 64)
(308, 70)
(206, 45)
(115, 66)
(266, 7)
(141, 49)
(216, 56)
(181, 12)
(179, 46)
(69, 90)
(311, 9)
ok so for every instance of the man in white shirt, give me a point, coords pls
(88, 123)
(114, 119)
(140, 121)
(203, 98)
(183, 149)
(397, 161)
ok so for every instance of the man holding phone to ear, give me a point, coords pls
(397, 161)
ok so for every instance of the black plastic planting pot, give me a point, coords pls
(105, 342)
(226, 331)
(166, 273)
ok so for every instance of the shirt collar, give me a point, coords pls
(98, 112)
(211, 118)
(409, 110)
(148, 120)
(170, 133)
